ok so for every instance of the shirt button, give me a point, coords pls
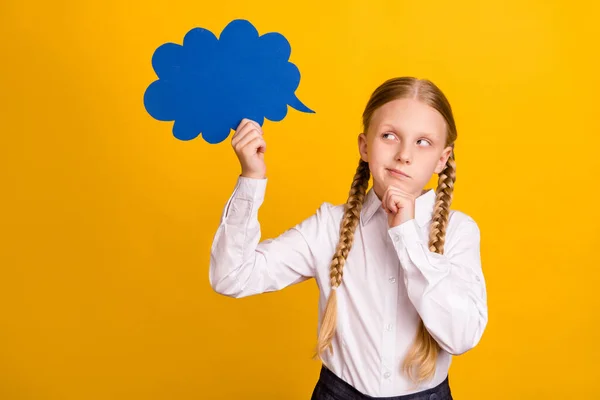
(396, 238)
(387, 375)
(434, 397)
(392, 279)
(388, 327)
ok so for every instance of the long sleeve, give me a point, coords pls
(448, 290)
(241, 265)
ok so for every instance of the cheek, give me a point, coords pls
(431, 163)
(381, 152)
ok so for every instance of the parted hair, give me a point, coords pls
(420, 362)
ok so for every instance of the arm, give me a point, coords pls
(447, 290)
(241, 265)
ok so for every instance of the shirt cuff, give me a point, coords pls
(407, 233)
(252, 189)
(412, 247)
(247, 197)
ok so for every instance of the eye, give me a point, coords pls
(426, 141)
(386, 134)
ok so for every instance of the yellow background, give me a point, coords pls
(108, 219)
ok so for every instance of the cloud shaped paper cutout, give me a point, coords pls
(208, 85)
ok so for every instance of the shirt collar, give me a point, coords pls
(423, 207)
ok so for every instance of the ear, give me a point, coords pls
(362, 147)
(443, 159)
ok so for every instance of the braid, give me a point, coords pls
(441, 213)
(423, 354)
(348, 226)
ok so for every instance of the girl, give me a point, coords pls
(404, 290)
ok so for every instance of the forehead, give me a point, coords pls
(408, 116)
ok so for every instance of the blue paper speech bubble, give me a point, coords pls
(208, 85)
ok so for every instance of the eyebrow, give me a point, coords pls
(388, 126)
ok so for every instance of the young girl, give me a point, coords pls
(399, 272)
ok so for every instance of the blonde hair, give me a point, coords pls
(420, 362)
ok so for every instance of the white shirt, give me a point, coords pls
(390, 279)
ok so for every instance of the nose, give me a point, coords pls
(404, 154)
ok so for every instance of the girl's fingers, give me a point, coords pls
(249, 148)
(243, 128)
(248, 137)
(388, 201)
(263, 146)
(244, 131)
(392, 199)
(239, 134)
(392, 203)
(256, 125)
(256, 145)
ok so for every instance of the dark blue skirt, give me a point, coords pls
(332, 387)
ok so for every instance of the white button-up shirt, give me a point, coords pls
(391, 279)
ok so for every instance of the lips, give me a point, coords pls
(398, 173)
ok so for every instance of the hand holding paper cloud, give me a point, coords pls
(250, 147)
(208, 85)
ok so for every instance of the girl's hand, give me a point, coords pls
(399, 206)
(250, 147)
